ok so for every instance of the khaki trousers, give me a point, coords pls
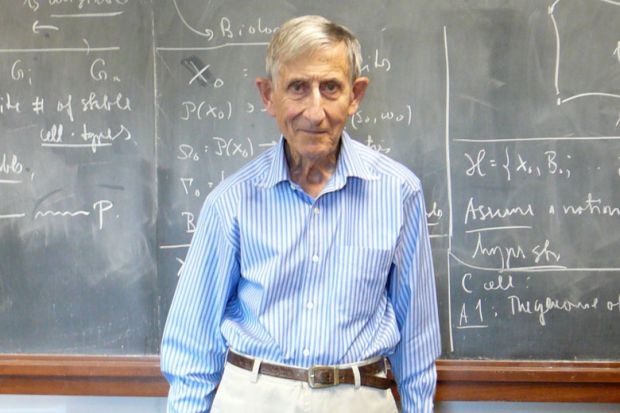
(242, 391)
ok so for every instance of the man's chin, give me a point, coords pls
(318, 151)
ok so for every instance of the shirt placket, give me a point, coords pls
(315, 251)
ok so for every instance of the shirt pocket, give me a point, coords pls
(361, 280)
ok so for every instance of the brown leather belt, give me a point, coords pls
(318, 376)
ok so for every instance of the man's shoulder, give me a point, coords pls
(385, 167)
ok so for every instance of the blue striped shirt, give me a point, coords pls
(276, 274)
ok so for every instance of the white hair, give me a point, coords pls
(306, 34)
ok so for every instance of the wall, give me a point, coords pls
(62, 404)
(66, 404)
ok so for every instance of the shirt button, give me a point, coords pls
(316, 211)
(306, 352)
(310, 305)
(315, 258)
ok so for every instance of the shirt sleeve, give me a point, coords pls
(413, 295)
(193, 348)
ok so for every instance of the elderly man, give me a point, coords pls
(311, 266)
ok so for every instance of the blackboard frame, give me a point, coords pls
(458, 380)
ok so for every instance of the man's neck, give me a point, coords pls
(311, 174)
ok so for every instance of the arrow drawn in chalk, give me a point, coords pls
(36, 27)
(208, 33)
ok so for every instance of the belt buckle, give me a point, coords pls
(311, 377)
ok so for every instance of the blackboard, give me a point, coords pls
(117, 117)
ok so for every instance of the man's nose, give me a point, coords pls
(315, 111)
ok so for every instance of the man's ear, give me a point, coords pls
(357, 94)
(265, 90)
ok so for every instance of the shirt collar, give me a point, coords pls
(349, 165)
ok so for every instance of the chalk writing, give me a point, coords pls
(481, 212)
(83, 3)
(501, 283)
(187, 152)
(19, 73)
(505, 253)
(38, 105)
(52, 135)
(229, 30)
(206, 111)
(66, 107)
(614, 305)
(97, 139)
(32, 4)
(11, 165)
(105, 103)
(361, 118)
(464, 319)
(592, 206)
(230, 147)
(377, 61)
(190, 226)
(378, 146)
(512, 164)
(98, 71)
(540, 308)
(187, 187)
(435, 214)
(98, 209)
(8, 104)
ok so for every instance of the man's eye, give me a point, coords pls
(297, 87)
(331, 87)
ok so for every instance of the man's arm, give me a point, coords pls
(193, 349)
(412, 291)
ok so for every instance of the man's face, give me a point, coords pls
(311, 99)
